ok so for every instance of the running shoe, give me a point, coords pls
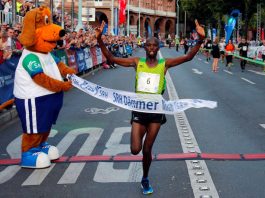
(147, 188)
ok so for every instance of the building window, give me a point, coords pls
(98, 2)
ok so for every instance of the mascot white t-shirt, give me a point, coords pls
(30, 64)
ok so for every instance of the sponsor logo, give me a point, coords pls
(136, 118)
(33, 65)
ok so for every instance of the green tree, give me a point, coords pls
(214, 12)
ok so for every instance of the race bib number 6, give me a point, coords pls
(148, 82)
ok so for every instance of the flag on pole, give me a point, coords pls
(231, 24)
(122, 8)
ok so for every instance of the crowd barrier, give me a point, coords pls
(7, 18)
(254, 54)
(79, 59)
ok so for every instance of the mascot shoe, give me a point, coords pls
(33, 158)
(50, 150)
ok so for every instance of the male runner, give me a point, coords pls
(150, 76)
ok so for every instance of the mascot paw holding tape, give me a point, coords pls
(39, 87)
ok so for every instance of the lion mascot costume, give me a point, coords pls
(39, 87)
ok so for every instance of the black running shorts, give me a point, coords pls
(146, 118)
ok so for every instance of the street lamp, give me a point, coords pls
(139, 25)
(112, 18)
(51, 6)
(79, 25)
(177, 28)
(185, 25)
(62, 14)
(72, 14)
(36, 3)
(128, 17)
(14, 12)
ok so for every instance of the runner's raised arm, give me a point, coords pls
(171, 62)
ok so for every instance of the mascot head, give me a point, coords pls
(39, 34)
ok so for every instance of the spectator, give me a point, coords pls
(208, 48)
(19, 4)
(60, 44)
(7, 52)
(262, 50)
(186, 46)
(177, 43)
(222, 49)
(4, 27)
(169, 40)
(7, 11)
(18, 49)
(17, 26)
(56, 19)
(27, 6)
(10, 42)
(67, 40)
(30, 4)
(2, 5)
(216, 54)
(1, 50)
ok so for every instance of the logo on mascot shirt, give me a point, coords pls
(33, 65)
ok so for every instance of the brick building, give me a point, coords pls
(156, 16)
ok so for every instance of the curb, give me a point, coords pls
(7, 116)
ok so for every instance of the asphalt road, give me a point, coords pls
(88, 126)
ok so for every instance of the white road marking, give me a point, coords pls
(199, 59)
(207, 188)
(102, 111)
(257, 72)
(206, 62)
(200, 189)
(196, 71)
(14, 151)
(74, 170)
(228, 72)
(248, 81)
(37, 176)
(262, 125)
(106, 173)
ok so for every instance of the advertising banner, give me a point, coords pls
(7, 74)
(80, 60)
(99, 55)
(71, 59)
(94, 55)
(88, 58)
(61, 54)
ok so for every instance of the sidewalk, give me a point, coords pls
(7, 115)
